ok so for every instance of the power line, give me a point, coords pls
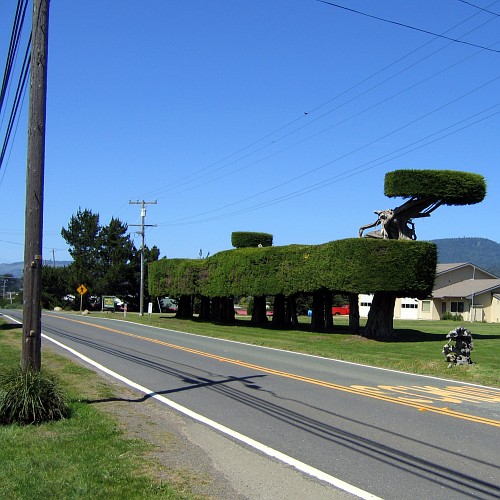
(407, 26)
(209, 170)
(342, 175)
(480, 8)
(21, 86)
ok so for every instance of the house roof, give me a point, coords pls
(467, 289)
(446, 268)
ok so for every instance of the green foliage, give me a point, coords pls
(56, 283)
(28, 397)
(105, 260)
(174, 277)
(449, 316)
(355, 265)
(450, 186)
(241, 239)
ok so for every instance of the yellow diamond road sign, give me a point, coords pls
(82, 289)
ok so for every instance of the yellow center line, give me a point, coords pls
(357, 390)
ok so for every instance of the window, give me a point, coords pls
(426, 306)
(365, 304)
(457, 307)
(409, 306)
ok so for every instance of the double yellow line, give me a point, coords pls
(293, 376)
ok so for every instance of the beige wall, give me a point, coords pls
(495, 310)
(461, 274)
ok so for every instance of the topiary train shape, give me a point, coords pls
(389, 263)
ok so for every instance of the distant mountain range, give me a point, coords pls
(481, 252)
(16, 268)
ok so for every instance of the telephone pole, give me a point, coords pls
(31, 357)
(142, 225)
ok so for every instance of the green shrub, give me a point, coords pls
(452, 316)
(246, 239)
(28, 397)
(451, 186)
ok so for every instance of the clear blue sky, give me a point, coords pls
(280, 116)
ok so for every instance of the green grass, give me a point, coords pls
(417, 349)
(83, 456)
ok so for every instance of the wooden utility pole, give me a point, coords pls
(142, 233)
(31, 350)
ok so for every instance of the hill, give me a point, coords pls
(481, 252)
(16, 268)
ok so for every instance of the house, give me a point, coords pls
(461, 288)
(464, 289)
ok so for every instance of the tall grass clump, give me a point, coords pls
(28, 397)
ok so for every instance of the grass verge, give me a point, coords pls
(417, 349)
(84, 456)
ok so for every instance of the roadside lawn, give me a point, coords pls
(86, 455)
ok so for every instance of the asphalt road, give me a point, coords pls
(365, 430)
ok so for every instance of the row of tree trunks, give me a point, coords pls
(379, 325)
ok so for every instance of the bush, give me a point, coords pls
(452, 316)
(247, 239)
(28, 397)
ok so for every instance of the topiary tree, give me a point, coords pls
(426, 190)
(241, 239)
(254, 240)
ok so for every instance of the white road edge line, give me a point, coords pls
(301, 466)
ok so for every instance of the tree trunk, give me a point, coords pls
(223, 309)
(205, 312)
(354, 313)
(327, 311)
(380, 318)
(185, 307)
(291, 312)
(259, 316)
(279, 311)
(322, 319)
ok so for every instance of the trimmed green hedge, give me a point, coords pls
(246, 239)
(174, 277)
(451, 186)
(354, 265)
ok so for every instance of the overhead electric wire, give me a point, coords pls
(210, 170)
(378, 139)
(13, 48)
(407, 26)
(351, 172)
(21, 85)
(480, 8)
(344, 120)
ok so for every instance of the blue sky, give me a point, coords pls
(280, 116)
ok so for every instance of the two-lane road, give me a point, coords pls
(362, 429)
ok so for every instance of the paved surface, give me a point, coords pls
(387, 433)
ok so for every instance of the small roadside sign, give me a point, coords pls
(82, 290)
